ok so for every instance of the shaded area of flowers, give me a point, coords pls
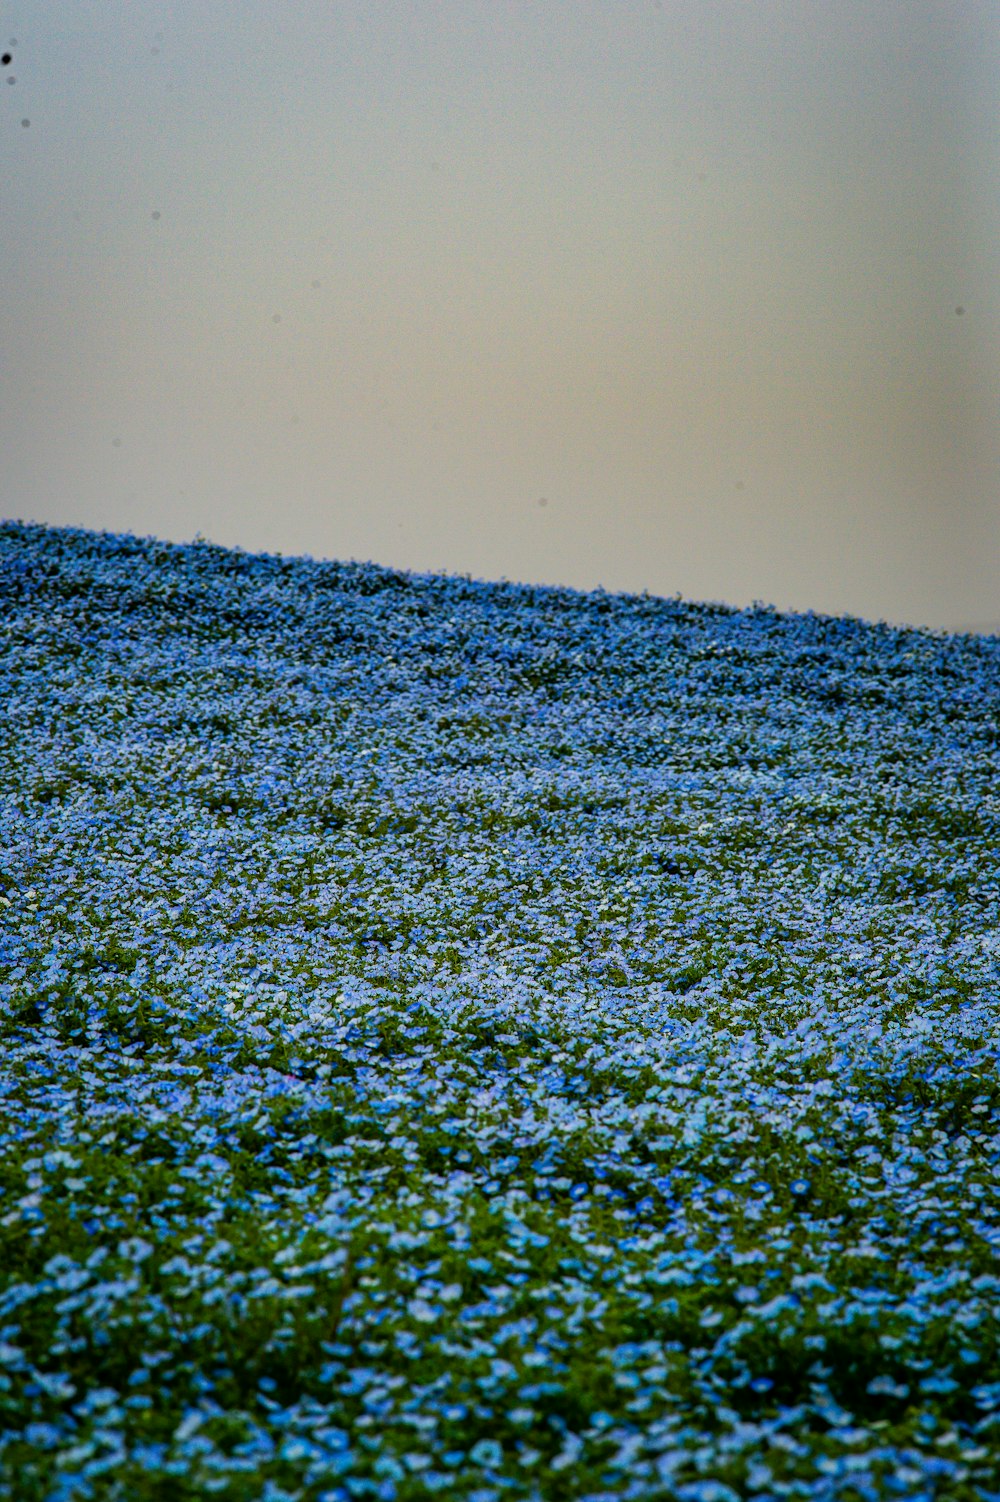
(486, 1040)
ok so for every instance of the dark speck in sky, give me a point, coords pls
(543, 500)
(7, 58)
(959, 310)
(26, 122)
(156, 213)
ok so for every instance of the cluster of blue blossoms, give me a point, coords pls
(489, 1041)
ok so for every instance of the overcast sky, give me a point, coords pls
(700, 297)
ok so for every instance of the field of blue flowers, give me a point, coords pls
(473, 1040)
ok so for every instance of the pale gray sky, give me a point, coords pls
(654, 296)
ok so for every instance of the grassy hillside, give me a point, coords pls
(475, 1040)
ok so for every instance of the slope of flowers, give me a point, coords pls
(475, 1040)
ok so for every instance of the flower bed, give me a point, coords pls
(489, 1041)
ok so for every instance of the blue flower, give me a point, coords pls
(486, 1453)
